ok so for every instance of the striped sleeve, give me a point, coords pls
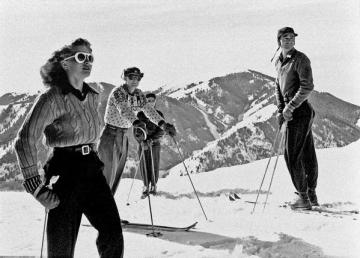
(30, 134)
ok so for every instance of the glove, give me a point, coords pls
(42, 193)
(287, 112)
(280, 119)
(139, 130)
(139, 123)
(168, 128)
(48, 198)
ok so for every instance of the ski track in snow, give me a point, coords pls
(232, 230)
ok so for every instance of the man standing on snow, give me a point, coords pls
(151, 157)
(294, 83)
(122, 107)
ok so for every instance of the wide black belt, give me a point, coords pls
(83, 149)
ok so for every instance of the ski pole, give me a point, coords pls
(155, 234)
(266, 169)
(282, 132)
(43, 233)
(187, 172)
(152, 165)
(132, 183)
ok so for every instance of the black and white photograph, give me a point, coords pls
(180, 128)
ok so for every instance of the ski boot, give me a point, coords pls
(312, 197)
(145, 192)
(302, 202)
(153, 190)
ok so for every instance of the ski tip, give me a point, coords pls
(191, 226)
(236, 196)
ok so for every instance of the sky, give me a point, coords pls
(177, 42)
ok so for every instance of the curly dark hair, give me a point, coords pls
(52, 73)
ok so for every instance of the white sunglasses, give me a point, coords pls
(81, 57)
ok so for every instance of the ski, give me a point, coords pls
(233, 196)
(158, 227)
(323, 209)
(129, 225)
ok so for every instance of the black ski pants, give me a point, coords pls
(299, 152)
(82, 189)
(149, 176)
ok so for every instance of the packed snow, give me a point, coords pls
(231, 229)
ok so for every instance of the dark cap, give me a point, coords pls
(283, 31)
(151, 95)
(133, 71)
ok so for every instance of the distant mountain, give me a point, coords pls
(225, 121)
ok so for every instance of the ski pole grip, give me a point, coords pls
(142, 130)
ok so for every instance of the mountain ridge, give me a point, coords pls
(233, 113)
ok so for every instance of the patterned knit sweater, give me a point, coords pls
(122, 108)
(65, 117)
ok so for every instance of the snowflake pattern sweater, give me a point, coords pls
(122, 108)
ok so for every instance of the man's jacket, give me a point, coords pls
(294, 81)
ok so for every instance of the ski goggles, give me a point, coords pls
(135, 76)
(81, 57)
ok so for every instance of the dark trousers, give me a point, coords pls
(113, 151)
(82, 189)
(147, 174)
(299, 152)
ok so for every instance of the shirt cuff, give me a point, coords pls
(31, 184)
(29, 172)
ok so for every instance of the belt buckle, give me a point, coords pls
(85, 149)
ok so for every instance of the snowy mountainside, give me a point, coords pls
(247, 129)
(226, 120)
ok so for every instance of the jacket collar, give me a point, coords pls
(68, 88)
(289, 55)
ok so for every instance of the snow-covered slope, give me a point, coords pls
(231, 231)
(222, 121)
